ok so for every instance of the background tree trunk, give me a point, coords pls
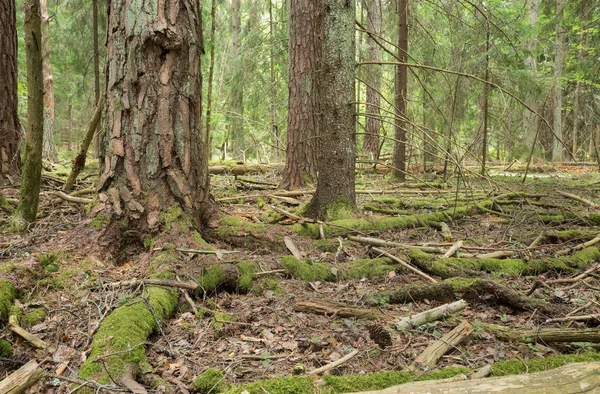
(236, 103)
(49, 152)
(211, 73)
(557, 147)
(32, 167)
(531, 121)
(155, 156)
(399, 170)
(336, 110)
(9, 119)
(373, 78)
(301, 152)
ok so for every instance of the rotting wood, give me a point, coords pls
(431, 315)
(544, 335)
(291, 246)
(190, 285)
(405, 265)
(238, 169)
(331, 308)
(453, 249)
(435, 351)
(571, 378)
(417, 292)
(334, 364)
(22, 379)
(580, 199)
(36, 342)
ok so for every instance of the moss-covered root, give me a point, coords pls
(118, 350)
(7, 296)
(448, 268)
(441, 291)
(226, 276)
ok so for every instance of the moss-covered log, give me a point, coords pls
(357, 269)
(7, 296)
(241, 233)
(544, 335)
(332, 308)
(443, 292)
(227, 276)
(448, 268)
(118, 349)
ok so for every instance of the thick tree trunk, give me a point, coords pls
(301, 152)
(399, 170)
(336, 110)
(557, 146)
(236, 104)
(32, 168)
(373, 78)
(49, 152)
(10, 160)
(154, 153)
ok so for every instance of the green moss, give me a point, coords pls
(100, 220)
(165, 258)
(266, 284)
(209, 278)
(173, 214)
(512, 367)
(247, 270)
(460, 284)
(219, 321)
(210, 381)
(198, 238)
(6, 349)
(291, 385)
(330, 245)
(7, 296)
(33, 317)
(7, 266)
(123, 334)
(307, 270)
(569, 235)
(231, 225)
(367, 268)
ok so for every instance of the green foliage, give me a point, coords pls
(210, 381)
(6, 349)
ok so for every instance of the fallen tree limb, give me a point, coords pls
(78, 200)
(435, 351)
(36, 342)
(580, 199)
(334, 364)
(22, 379)
(571, 378)
(238, 169)
(544, 335)
(411, 293)
(405, 265)
(431, 315)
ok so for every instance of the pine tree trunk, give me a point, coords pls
(154, 153)
(335, 193)
(557, 146)
(399, 170)
(373, 78)
(273, 90)
(10, 160)
(531, 121)
(211, 73)
(301, 152)
(32, 167)
(236, 106)
(49, 152)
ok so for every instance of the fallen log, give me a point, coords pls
(431, 315)
(431, 355)
(238, 169)
(22, 379)
(571, 378)
(544, 335)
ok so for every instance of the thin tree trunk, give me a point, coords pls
(96, 51)
(373, 121)
(399, 171)
(49, 152)
(335, 195)
(211, 72)
(486, 93)
(530, 119)
(557, 147)
(301, 149)
(238, 144)
(32, 167)
(10, 160)
(273, 103)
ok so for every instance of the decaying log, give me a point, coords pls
(291, 246)
(591, 204)
(435, 351)
(571, 378)
(380, 242)
(22, 379)
(544, 335)
(435, 291)
(36, 342)
(340, 309)
(431, 315)
(238, 170)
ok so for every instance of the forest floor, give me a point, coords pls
(63, 278)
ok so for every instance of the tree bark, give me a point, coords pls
(530, 119)
(301, 150)
(32, 168)
(154, 153)
(49, 151)
(486, 93)
(211, 73)
(557, 147)
(236, 105)
(336, 110)
(399, 170)
(10, 127)
(373, 78)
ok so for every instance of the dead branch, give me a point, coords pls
(405, 264)
(431, 315)
(334, 364)
(437, 349)
(22, 379)
(78, 200)
(544, 335)
(580, 199)
(36, 342)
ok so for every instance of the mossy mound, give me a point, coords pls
(228, 276)
(33, 317)
(290, 385)
(6, 349)
(210, 381)
(7, 296)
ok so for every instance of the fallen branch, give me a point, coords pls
(78, 200)
(431, 315)
(291, 246)
(544, 335)
(334, 364)
(579, 247)
(405, 264)
(435, 351)
(36, 342)
(453, 249)
(381, 242)
(580, 199)
(22, 379)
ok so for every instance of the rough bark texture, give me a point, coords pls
(49, 152)
(154, 155)
(530, 119)
(336, 110)
(236, 103)
(32, 167)
(399, 171)
(373, 78)
(9, 120)
(301, 152)
(557, 147)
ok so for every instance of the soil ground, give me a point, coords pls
(269, 337)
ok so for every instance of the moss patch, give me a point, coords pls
(33, 317)
(6, 349)
(7, 296)
(292, 385)
(367, 268)
(247, 270)
(513, 367)
(306, 270)
(210, 381)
